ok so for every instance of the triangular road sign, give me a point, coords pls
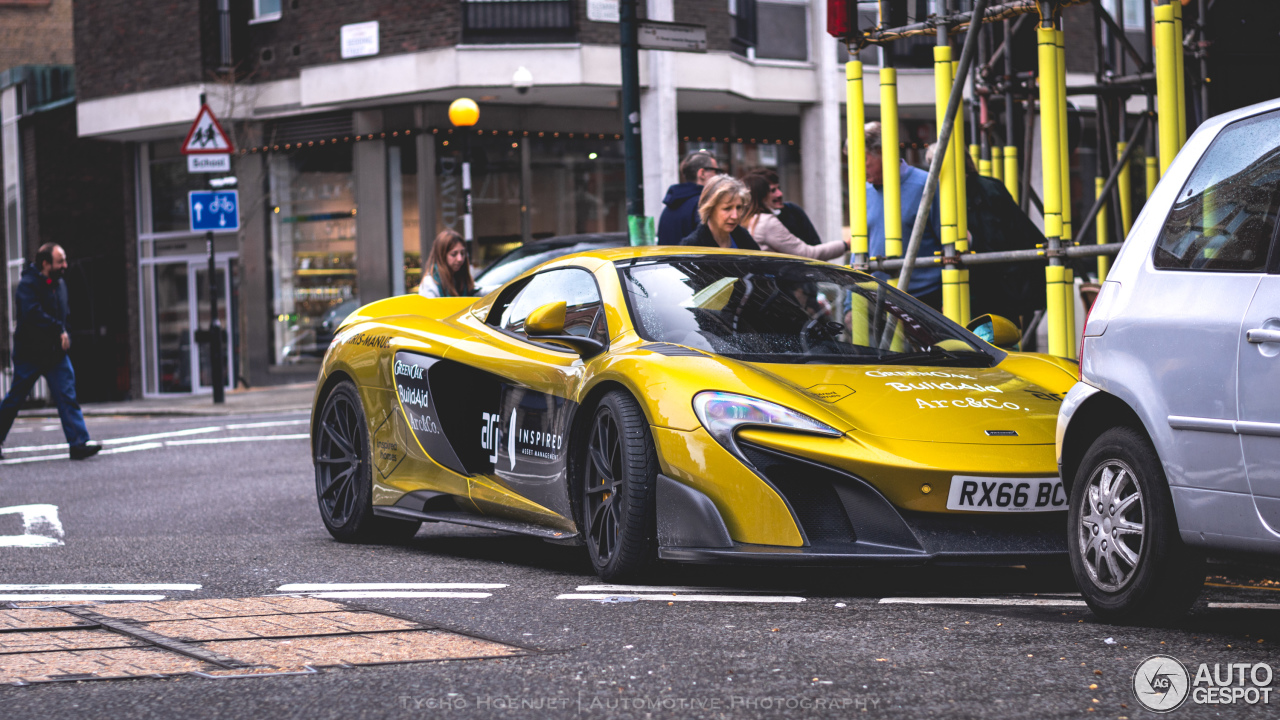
(206, 136)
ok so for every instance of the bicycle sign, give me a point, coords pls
(214, 210)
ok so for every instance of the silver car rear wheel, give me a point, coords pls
(1111, 534)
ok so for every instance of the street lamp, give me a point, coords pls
(464, 113)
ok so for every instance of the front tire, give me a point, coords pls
(618, 489)
(344, 474)
(1126, 554)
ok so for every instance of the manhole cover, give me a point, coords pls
(218, 638)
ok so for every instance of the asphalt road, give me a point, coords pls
(237, 517)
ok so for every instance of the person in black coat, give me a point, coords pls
(680, 217)
(996, 224)
(40, 346)
(791, 215)
(721, 207)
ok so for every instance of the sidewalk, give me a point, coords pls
(277, 398)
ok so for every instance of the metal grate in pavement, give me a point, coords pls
(234, 637)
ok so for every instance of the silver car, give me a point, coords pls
(1170, 443)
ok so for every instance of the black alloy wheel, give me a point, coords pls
(1127, 556)
(344, 474)
(618, 500)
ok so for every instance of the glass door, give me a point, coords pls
(199, 282)
(173, 327)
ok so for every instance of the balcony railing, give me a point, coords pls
(518, 21)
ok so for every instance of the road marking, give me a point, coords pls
(244, 438)
(269, 423)
(631, 589)
(399, 594)
(672, 597)
(100, 586)
(131, 448)
(77, 598)
(1012, 602)
(40, 526)
(322, 587)
(161, 435)
(1244, 606)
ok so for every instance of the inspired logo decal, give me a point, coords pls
(511, 441)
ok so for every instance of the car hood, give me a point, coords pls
(927, 403)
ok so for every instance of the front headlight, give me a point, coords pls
(722, 414)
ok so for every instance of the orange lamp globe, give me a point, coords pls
(464, 112)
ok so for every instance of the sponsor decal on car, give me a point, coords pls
(988, 494)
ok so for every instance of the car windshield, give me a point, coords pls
(511, 265)
(787, 311)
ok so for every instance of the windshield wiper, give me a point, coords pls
(936, 354)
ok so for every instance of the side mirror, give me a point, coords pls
(997, 331)
(546, 323)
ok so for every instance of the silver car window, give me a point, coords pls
(1225, 216)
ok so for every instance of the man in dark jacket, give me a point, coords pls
(40, 346)
(791, 215)
(996, 224)
(681, 214)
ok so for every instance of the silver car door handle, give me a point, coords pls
(1258, 335)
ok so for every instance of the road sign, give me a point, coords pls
(206, 136)
(214, 210)
(217, 163)
(654, 35)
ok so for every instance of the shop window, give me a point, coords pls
(402, 215)
(170, 183)
(313, 249)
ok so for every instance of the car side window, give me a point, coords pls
(577, 288)
(1225, 217)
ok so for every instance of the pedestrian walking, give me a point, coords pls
(40, 345)
(447, 274)
(722, 205)
(793, 217)
(926, 280)
(680, 216)
(769, 232)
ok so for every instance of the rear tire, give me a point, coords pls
(620, 470)
(344, 474)
(1126, 554)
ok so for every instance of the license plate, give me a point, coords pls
(987, 494)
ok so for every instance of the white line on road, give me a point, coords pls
(245, 438)
(76, 598)
(269, 423)
(624, 597)
(1245, 606)
(1013, 602)
(131, 448)
(399, 594)
(161, 435)
(322, 587)
(100, 586)
(40, 526)
(629, 589)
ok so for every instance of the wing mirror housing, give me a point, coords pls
(998, 331)
(546, 324)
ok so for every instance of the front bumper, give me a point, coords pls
(846, 521)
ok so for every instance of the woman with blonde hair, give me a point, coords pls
(721, 207)
(772, 235)
(447, 272)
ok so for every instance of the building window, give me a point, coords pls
(743, 15)
(787, 37)
(1134, 18)
(518, 21)
(313, 250)
(266, 10)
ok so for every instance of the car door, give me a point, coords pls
(1259, 425)
(525, 431)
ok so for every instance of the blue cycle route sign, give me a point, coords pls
(214, 210)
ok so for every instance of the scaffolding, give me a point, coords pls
(1002, 100)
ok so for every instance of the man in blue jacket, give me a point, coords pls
(681, 214)
(40, 346)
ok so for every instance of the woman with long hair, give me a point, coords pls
(772, 235)
(721, 207)
(447, 272)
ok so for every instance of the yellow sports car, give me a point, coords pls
(697, 406)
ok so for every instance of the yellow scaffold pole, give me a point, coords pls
(1167, 85)
(1100, 227)
(1068, 288)
(1180, 57)
(855, 126)
(961, 277)
(997, 163)
(1011, 171)
(947, 180)
(891, 160)
(1126, 195)
(975, 154)
(1050, 160)
(1152, 174)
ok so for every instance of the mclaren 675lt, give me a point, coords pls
(697, 406)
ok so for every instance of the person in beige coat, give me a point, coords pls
(769, 232)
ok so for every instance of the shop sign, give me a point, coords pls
(654, 35)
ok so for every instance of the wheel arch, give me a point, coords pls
(579, 428)
(1096, 415)
(334, 379)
